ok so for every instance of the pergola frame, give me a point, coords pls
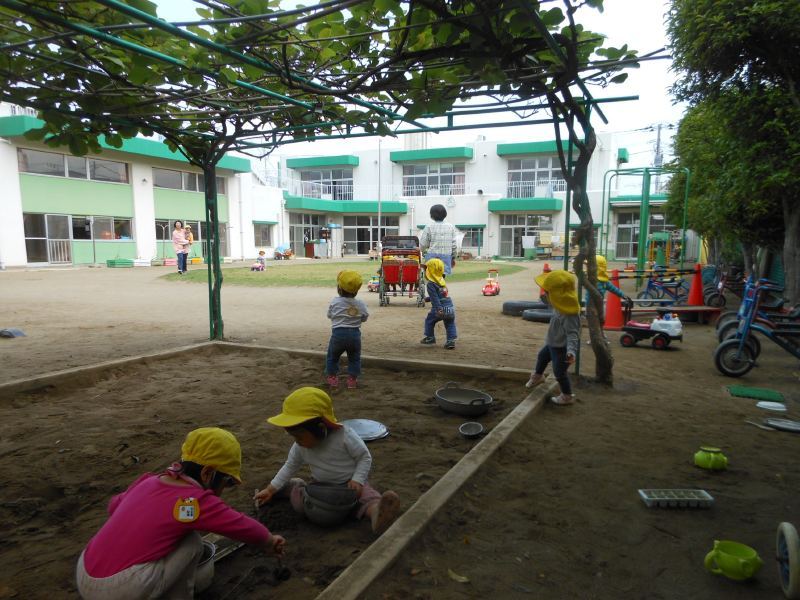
(250, 78)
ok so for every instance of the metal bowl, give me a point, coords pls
(328, 504)
(463, 401)
(471, 430)
(205, 569)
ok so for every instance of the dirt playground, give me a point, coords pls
(554, 514)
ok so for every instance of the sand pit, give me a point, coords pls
(66, 448)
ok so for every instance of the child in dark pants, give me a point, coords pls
(346, 314)
(442, 308)
(563, 336)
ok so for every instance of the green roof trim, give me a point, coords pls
(638, 198)
(576, 225)
(463, 152)
(470, 226)
(550, 147)
(421, 226)
(265, 222)
(344, 160)
(344, 206)
(535, 204)
(18, 125)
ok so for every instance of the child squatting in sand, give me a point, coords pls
(335, 454)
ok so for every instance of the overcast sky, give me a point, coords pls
(638, 23)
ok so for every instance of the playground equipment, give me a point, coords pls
(659, 248)
(492, 285)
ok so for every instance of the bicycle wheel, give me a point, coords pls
(787, 545)
(728, 315)
(732, 362)
(715, 299)
(751, 342)
(646, 295)
(724, 332)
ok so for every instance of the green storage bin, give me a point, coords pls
(117, 263)
(530, 253)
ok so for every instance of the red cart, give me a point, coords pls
(400, 273)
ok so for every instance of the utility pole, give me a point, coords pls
(659, 160)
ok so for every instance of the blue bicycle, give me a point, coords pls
(664, 291)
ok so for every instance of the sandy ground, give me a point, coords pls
(554, 514)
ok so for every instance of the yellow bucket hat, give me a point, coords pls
(214, 447)
(602, 268)
(349, 281)
(303, 405)
(560, 288)
(434, 271)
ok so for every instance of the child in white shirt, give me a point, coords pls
(335, 454)
(346, 314)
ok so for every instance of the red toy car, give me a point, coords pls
(492, 285)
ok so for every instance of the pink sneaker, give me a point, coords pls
(352, 382)
(333, 381)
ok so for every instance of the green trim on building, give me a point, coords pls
(177, 204)
(470, 226)
(83, 253)
(654, 198)
(525, 204)
(265, 222)
(576, 225)
(68, 196)
(421, 226)
(622, 155)
(18, 125)
(344, 206)
(462, 152)
(344, 160)
(524, 148)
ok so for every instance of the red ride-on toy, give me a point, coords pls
(492, 285)
(663, 331)
(374, 284)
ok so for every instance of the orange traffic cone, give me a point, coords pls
(546, 268)
(696, 289)
(614, 320)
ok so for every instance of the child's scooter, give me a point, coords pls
(492, 285)
(663, 330)
(374, 284)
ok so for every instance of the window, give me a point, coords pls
(184, 180)
(103, 228)
(532, 177)
(75, 167)
(514, 227)
(330, 184)
(108, 170)
(263, 234)
(41, 163)
(473, 237)
(122, 229)
(165, 178)
(81, 228)
(433, 178)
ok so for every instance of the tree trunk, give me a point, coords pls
(791, 248)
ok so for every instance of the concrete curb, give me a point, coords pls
(379, 556)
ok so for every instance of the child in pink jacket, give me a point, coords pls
(150, 546)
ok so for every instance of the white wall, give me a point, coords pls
(12, 230)
(260, 203)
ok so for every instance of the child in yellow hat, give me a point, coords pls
(563, 335)
(442, 308)
(346, 313)
(335, 454)
(150, 546)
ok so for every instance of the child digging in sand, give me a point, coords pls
(563, 335)
(150, 546)
(335, 454)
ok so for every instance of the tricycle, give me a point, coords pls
(492, 285)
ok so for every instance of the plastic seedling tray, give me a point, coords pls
(677, 498)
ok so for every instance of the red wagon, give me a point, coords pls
(400, 273)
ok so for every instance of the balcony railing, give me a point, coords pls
(324, 191)
(542, 188)
(446, 189)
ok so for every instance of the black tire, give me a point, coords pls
(726, 362)
(538, 315)
(728, 315)
(660, 342)
(724, 332)
(752, 342)
(515, 308)
(716, 300)
(627, 340)
(645, 295)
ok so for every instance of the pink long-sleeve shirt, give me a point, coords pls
(142, 527)
(179, 242)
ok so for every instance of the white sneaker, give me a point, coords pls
(533, 381)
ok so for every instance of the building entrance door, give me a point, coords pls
(47, 238)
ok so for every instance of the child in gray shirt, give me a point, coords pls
(346, 314)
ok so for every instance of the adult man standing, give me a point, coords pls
(438, 240)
